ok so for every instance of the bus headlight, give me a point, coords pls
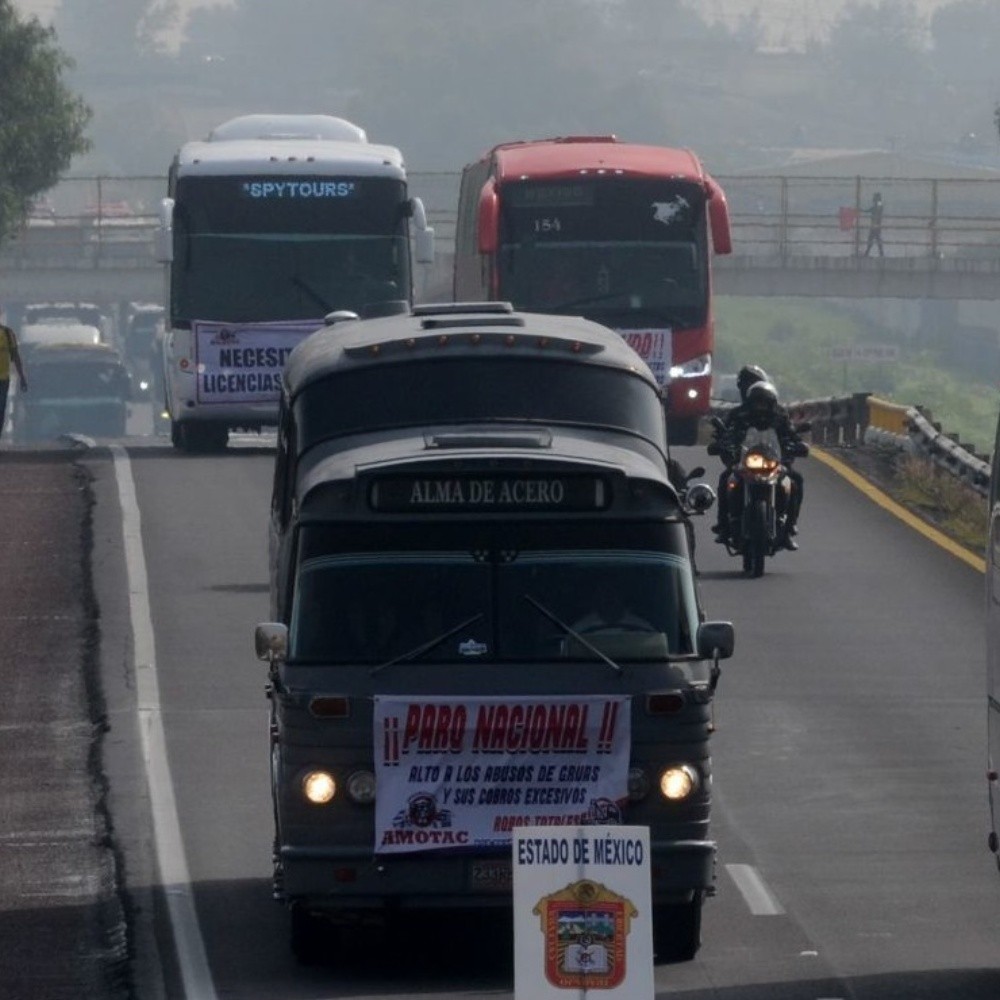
(361, 787)
(319, 787)
(695, 368)
(679, 782)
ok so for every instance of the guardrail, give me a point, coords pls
(864, 419)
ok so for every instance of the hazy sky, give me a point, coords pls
(788, 21)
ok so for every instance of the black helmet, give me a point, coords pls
(748, 375)
(762, 401)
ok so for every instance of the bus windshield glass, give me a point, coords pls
(610, 249)
(517, 599)
(283, 248)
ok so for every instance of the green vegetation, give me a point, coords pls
(944, 500)
(792, 339)
(42, 122)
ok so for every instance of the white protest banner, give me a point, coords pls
(242, 362)
(654, 347)
(465, 772)
(583, 916)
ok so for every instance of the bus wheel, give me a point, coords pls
(677, 930)
(198, 437)
(313, 939)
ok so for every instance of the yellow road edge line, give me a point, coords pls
(907, 517)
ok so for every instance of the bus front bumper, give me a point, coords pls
(341, 879)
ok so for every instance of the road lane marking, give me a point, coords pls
(755, 892)
(174, 875)
(897, 510)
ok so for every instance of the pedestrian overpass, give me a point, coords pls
(792, 236)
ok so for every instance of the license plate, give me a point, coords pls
(491, 876)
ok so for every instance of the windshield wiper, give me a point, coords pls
(300, 282)
(659, 314)
(426, 647)
(571, 632)
(587, 301)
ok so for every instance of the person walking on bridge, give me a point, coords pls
(875, 226)
(9, 353)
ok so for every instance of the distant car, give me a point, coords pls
(81, 388)
(60, 312)
(42, 207)
(57, 331)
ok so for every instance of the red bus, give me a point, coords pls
(617, 232)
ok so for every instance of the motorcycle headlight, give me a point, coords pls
(758, 462)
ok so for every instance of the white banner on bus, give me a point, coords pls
(465, 772)
(242, 362)
(653, 346)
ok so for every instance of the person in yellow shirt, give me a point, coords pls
(9, 354)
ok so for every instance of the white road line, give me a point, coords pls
(753, 888)
(192, 957)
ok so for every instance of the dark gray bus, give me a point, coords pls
(485, 616)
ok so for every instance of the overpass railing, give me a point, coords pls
(87, 221)
(940, 218)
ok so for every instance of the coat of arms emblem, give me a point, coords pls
(585, 927)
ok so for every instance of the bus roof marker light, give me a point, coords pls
(510, 340)
(476, 338)
(443, 340)
(543, 342)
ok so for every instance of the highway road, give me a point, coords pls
(850, 792)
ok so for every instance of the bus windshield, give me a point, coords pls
(491, 605)
(248, 258)
(610, 248)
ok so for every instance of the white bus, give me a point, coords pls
(270, 224)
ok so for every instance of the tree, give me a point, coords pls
(116, 35)
(881, 48)
(42, 123)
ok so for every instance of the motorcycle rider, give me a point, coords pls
(760, 409)
(746, 377)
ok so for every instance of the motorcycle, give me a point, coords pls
(759, 492)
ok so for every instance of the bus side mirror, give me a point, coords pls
(423, 236)
(716, 640)
(163, 237)
(718, 219)
(270, 640)
(488, 219)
